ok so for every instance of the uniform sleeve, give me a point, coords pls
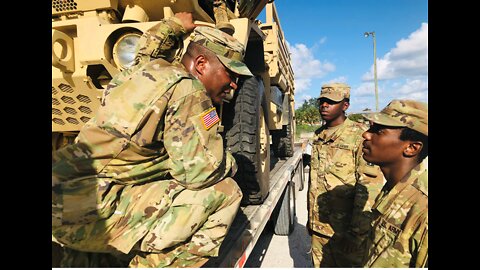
(168, 38)
(169, 34)
(368, 186)
(160, 41)
(420, 244)
(191, 139)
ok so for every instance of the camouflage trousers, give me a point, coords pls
(172, 258)
(327, 253)
(153, 228)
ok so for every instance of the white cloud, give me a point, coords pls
(416, 89)
(301, 84)
(364, 95)
(365, 89)
(342, 79)
(306, 67)
(408, 59)
(301, 100)
(402, 73)
(412, 86)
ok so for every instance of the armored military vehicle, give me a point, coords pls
(92, 41)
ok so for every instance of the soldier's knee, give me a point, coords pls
(230, 188)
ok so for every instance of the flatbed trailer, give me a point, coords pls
(286, 178)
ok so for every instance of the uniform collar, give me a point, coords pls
(339, 130)
(417, 177)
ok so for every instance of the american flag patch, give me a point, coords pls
(210, 118)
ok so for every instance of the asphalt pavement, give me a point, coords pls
(285, 251)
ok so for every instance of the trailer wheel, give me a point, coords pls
(301, 181)
(248, 139)
(282, 140)
(283, 215)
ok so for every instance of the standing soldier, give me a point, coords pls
(147, 181)
(397, 141)
(342, 185)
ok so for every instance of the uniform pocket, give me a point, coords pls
(385, 236)
(86, 200)
(205, 125)
(343, 165)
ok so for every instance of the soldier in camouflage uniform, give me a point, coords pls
(147, 182)
(342, 185)
(398, 142)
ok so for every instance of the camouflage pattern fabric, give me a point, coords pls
(145, 174)
(400, 236)
(160, 40)
(403, 113)
(322, 254)
(342, 191)
(228, 49)
(335, 91)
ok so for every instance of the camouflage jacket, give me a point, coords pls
(400, 236)
(342, 185)
(155, 122)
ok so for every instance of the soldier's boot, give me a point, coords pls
(75, 258)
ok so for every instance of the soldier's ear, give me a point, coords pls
(346, 104)
(413, 149)
(200, 63)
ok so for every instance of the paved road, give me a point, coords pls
(285, 251)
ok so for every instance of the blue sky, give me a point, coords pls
(327, 42)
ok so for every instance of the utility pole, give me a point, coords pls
(374, 66)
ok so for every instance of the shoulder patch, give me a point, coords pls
(210, 118)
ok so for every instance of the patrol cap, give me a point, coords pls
(335, 91)
(228, 50)
(402, 113)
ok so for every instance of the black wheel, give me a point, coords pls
(283, 216)
(248, 139)
(300, 177)
(282, 140)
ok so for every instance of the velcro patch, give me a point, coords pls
(210, 118)
(387, 225)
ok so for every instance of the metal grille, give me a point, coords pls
(85, 110)
(64, 5)
(72, 120)
(84, 99)
(56, 111)
(70, 110)
(58, 121)
(65, 88)
(68, 100)
(84, 119)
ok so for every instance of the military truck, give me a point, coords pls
(92, 41)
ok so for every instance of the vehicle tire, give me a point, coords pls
(248, 139)
(282, 140)
(301, 178)
(283, 215)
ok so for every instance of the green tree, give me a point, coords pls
(308, 113)
(357, 117)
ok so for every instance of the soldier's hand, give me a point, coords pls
(187, 20)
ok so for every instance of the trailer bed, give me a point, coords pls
(251, 220)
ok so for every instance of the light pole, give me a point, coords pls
(374, 66)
